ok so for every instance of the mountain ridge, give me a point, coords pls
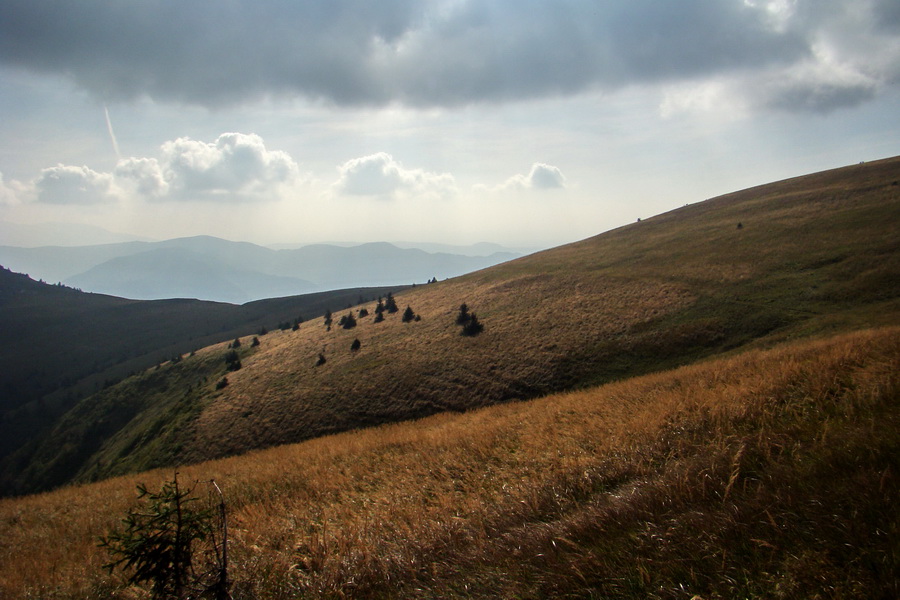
(239, 271)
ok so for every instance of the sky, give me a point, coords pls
(525, 123)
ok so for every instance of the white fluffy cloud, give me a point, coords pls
(236, 167)
(380, 175)
(64, 184)
(540, 177)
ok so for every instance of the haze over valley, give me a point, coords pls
(214, 269)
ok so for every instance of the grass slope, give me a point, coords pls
(60, 345)
(812, 255)
(771, 473)
(804, 257)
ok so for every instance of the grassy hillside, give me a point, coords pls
(60, 344)
(771, 473)
(813, 255)
(804, 257)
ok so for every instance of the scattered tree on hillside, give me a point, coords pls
(236, 343)
(379, 308)
(321, 361)
(232, 361)
(463, 317)
(347, 321)
(390, 304)
(408, 315)
(356, 345)
(379, 317)
(255, 342)
(328, 320)
(473, 326)
(363, 313)
(262, 331)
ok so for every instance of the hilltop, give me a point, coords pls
(805, 257)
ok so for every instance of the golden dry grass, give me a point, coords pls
(815, 254)
(771, 473)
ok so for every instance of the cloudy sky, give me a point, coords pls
(526, 122)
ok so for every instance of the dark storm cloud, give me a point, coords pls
(416, 52)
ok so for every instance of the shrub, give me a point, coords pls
(321, 361)
(222, 383)
(356, 345)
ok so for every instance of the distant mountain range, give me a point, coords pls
(210, 268)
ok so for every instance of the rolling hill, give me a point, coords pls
(809, 256)
(60, 344)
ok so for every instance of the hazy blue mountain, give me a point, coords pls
(179, 273)
(215, 269)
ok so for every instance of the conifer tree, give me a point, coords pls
(408, 315)
(391, 304)
(463, 317)
(473, 326)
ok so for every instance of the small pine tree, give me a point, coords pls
(321, 361)
(379, 317)
(473, 326)
(363, 313)
(328, 320)
(379, 308)
(232, 361)
(408, 315)
(463, 317)
(158, 540)
(348, 322)
(236, 343)
(255, 342)
(356, 345)
(390, 304)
